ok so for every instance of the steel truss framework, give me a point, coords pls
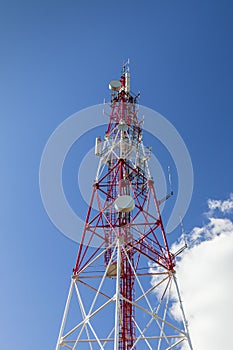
(123, 289)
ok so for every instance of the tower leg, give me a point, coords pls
(59, 341)
(182, 311)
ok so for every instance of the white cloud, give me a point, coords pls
(205, 275)
(223, 206)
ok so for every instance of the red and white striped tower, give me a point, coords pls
(123, 292)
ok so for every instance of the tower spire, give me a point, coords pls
(124, 284)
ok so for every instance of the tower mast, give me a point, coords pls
(124, 278)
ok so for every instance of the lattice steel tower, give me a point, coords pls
(123, 288)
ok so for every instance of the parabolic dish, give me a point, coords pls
(122, 126)
(124, 204)
(115, 85)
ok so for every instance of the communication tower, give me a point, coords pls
(123, 287)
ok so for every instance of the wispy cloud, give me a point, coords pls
(205, 276)
(225, 206)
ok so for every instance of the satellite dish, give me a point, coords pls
(124, 204)
(122, 126)
(115, 85)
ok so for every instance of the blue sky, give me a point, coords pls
(57, 57)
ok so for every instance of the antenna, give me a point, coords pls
(171, 191)
(183, 234)
(170, 179)
(125, 67)
(183, 238)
